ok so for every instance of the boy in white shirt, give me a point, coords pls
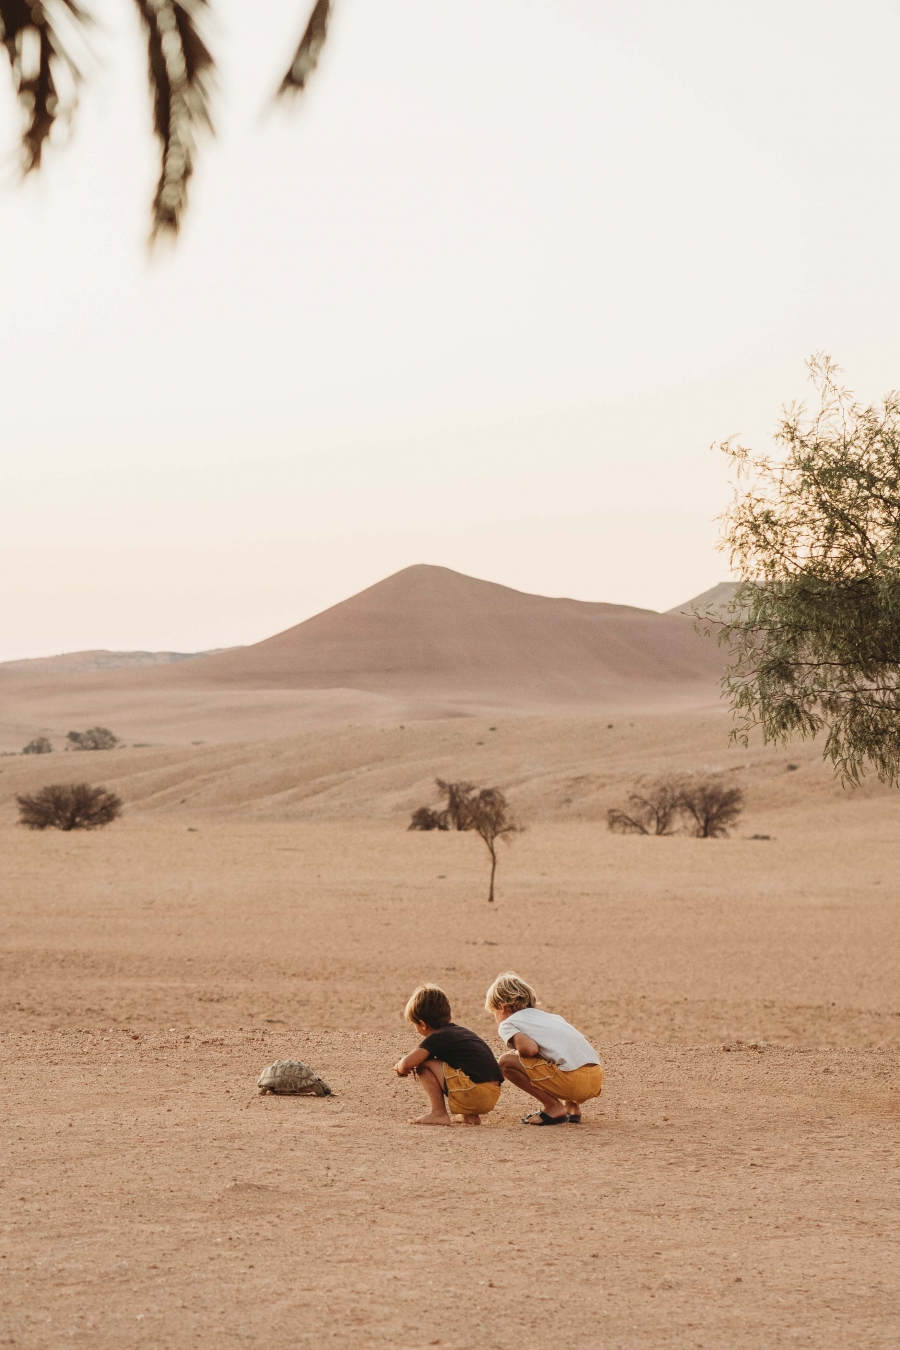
(549, 1059)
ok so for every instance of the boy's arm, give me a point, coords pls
(411, 1061)
(524, 1045)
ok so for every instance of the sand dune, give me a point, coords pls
(424, 643)
(430, 629)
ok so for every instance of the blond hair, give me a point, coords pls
(430, 1005)
(510, 991)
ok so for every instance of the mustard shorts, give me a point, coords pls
(465, 1098)
(576, 1085)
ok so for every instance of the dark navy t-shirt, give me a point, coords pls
(464, 1049)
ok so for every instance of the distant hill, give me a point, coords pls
(427, 642)
(71, 662)
(714, 600)
(431, 631)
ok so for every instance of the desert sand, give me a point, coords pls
(735, 1185)
(425, 643)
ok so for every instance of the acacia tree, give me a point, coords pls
(491, 820)
(814, 625)
(711, 807)
(650, 810)
(707, 806)
(41, 38)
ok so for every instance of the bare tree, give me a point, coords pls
(69, 806)
(426, 818)
(652, 810)
(95, 738)
(712, 807)
(39, 746)
(459, 798)
(40, 40)
(490, 819)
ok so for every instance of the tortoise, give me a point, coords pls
(291, 1076)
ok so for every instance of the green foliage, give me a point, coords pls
(814, 626)
(69, 806)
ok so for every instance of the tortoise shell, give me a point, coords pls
(291, 1076)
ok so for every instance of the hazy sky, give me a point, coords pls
(484, 300)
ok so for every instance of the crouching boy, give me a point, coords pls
(451, 1063)
(549, 1059)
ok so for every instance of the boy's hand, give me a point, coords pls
(399, 1069)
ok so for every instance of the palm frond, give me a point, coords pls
(180, 71)
(42, 66)
(307, 54)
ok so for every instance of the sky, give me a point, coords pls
(485, 298)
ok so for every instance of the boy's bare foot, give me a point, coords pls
(471, 1120)
(432, 1118)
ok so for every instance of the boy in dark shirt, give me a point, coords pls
(451, 1062)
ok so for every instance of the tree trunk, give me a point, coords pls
(493, 870)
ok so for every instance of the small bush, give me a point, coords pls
(39, 746)
(427, 819)
(705, 808)
(653, 810)
(69, 806)
(95, 738)
(712, 808)
(460, 800)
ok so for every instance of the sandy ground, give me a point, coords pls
(715, 1197)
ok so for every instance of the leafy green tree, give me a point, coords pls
(814, 625)
(40, 38)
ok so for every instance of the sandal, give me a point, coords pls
(574, 1120)
(544, 1119)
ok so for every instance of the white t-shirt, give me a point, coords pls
(557, 1039)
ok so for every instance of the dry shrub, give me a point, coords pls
(652, 810)
(702, 807)
(425, 818)
(39, 746)
(712, 807)
(69, 806)
(95, 738)
(459, 797)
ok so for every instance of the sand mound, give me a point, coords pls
(424, 643)
(428, 629)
